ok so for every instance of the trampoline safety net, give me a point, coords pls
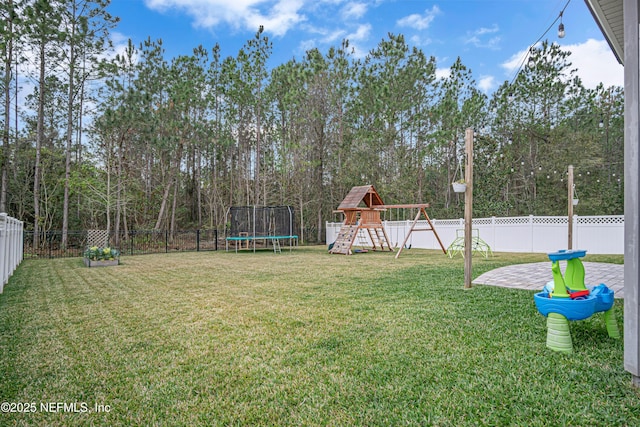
(261, 221)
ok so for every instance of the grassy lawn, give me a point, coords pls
(301, 338)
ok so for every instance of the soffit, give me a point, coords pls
(609, 16)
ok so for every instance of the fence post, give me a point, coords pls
(21, 242)
(198, 240)
(493, 231)
(166, 241)
(531, 233)
(9, 263)
(4, 269)
(215, 234)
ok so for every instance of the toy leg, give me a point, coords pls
(558, 335)
(612, 325)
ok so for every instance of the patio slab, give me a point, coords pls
(534, 276)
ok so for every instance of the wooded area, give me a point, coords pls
(135, 140)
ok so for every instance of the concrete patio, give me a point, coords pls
(534, 276)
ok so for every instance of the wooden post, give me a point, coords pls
(570, 207)
(468, 206)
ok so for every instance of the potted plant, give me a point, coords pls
(95, 256)
(459, 186)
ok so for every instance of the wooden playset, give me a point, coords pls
(361, 209)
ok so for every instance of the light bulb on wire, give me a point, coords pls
(561, 28)
(532, 62)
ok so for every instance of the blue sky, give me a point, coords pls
(491, 36)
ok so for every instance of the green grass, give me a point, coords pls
(301, 338)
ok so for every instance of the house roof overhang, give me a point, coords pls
(608, 14)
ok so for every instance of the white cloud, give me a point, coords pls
(476, 38)
(361, 34)
(443, 73)
(334, 36)
(327, 37)
(492, 43)
(354, 11)
(120, 43)
(306, 45)
(417, 40)
(595, 63)
(419, 22)
(513, 64)
(487, 84)
(593, 60)
(483, 30)
(277, 16)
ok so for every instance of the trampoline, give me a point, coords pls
(267, 226)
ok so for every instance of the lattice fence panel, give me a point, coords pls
(99, 238)
(550, 220)
(601, 220)
(512, 220)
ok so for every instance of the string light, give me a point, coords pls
(531, 61)
(555, 172)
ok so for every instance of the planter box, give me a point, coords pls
(101, 263)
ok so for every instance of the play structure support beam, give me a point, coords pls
(468, 207)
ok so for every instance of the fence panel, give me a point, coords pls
(11, 235)
(131, 243)
(539, 234)
(604, 232)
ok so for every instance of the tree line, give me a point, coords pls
(136, 140)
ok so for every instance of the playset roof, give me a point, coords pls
(363, 194)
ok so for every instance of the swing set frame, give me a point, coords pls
(414, 225)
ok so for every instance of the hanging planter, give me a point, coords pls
(575, 201)
(459, 187)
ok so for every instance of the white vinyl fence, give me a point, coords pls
(11, 243)
(541, 234)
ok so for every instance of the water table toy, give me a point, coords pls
(568, 299)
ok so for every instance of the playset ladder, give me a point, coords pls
(346, 236)
(378, 238)
(362, 239)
